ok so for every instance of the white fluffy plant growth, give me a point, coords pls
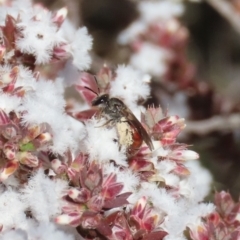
(68, 174)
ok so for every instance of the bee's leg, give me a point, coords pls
(119, 145)
(99, 114)
(122, 121)
(106, 123)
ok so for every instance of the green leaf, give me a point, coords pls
(27, 147)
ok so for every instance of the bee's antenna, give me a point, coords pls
(95, 78)
(90, 90)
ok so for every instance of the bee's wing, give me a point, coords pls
(133, 121)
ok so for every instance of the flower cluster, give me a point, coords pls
(82, 171)
(33, 122)
(33, 35)
(153, 182)
(21, 146)
(224, 223)
(159, 35)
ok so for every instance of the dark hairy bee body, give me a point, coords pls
(120, 115)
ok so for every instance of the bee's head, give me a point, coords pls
(101, 100)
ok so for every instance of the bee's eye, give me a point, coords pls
(100, 100)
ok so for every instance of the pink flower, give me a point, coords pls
(144, 219)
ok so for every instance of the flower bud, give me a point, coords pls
(2, 51)
(72, 219)
(9, 131)
(44, 138)
(138, 209)
(9, 169)
(9, 150)
(8, 79)
(183, 155)
(60, 16)
(31, 133)
(181, 170)
(79, 195)
(28, 159)
(58, 167)
(4, 119)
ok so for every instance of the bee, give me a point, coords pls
(130, 130)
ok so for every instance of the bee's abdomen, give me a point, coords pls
(136, 141)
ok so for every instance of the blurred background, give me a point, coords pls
(201, 78)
